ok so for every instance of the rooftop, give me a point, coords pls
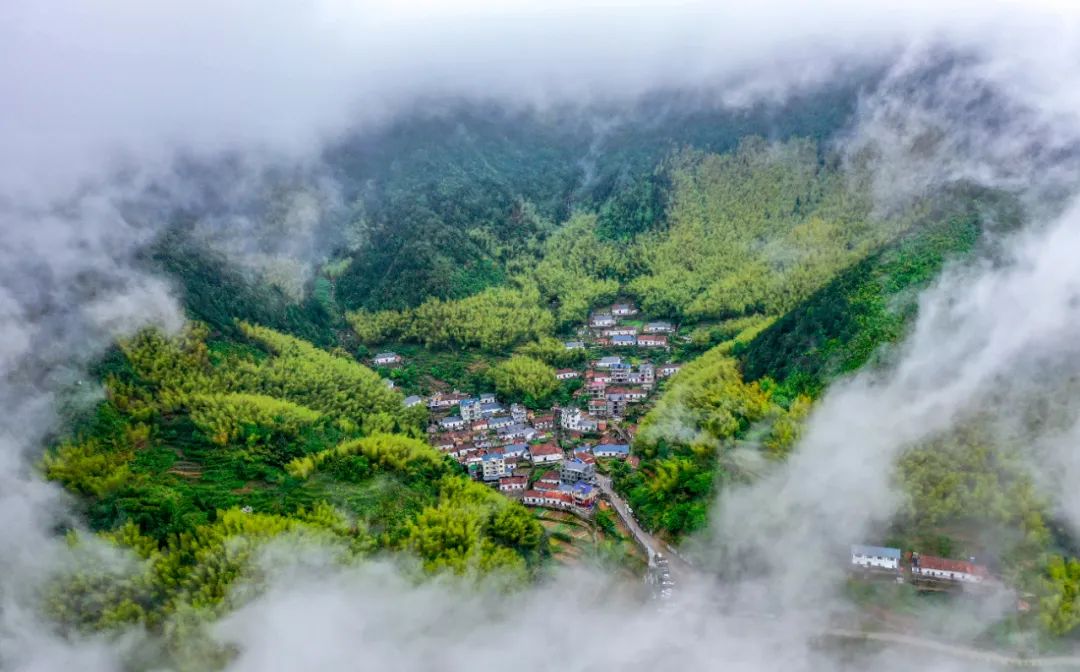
(876, 551)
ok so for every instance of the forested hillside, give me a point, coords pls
(208, 447)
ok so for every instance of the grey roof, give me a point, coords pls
(876, 551)
(576, 465)
(386, 354)
(612, 448)
(413, 399)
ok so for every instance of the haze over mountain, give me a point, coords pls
(863, 215)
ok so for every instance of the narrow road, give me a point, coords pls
(980, 655)
(652, 544)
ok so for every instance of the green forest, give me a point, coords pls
(476, 242)
(207, 448)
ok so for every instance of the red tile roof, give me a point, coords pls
(949, 565)
(544, 449)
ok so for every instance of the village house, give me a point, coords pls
(545, 452)
(584, 494)
(479, 426)
(544, 485)
(515, 451)
(494, 466)
(585, 455)
(513, 483)
(446, 400)
(574, 345)
(599, 407)
(601, 377)
(518, 413)
(875, 557)
(386, 358)
(544, 422)
(620, 373)
(669, 369)
(621, 331)
(930, 567)
(413, 400)
(601, 320)
(572, 419)
(607, 362)
(549, 478)
(630, 394)
(644, 376)
(557, 499)
(470, 409)
(566, 374)
(576, 470)
(452, 422)
(624, 309)
(659, 328)
(497, 421)
(623, 341)
(652, 341)
(516, 432)
(532, 498)
(617, 450)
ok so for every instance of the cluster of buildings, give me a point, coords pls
(608, 329)
(921, 567)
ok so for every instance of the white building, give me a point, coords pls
(930, 567)
(494, 466)
(623, 309)
(601, 320)
(385, 358)
(608, 362)
(875, 557)
(659, 328)
(452, 422)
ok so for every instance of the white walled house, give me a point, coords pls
(875, 557)
(601, 320)
(385, 358)
(945, 569)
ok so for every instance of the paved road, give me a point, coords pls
(649, 542)
(980, 655)
(652, 544)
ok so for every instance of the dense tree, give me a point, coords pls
(522, 378)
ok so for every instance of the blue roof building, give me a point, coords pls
(875, 557)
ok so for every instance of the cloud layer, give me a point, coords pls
(99, 101)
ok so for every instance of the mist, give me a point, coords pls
(105, 106)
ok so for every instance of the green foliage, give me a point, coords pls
(227, 418)
(842, 326)
(524, 379)
(1059, 607)
(551, 351)
(704, 409)
(474, 528)
(965, 476)
(754, 231)
(218, 294)
(493, 320)
(385, 451)
(332, 384)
